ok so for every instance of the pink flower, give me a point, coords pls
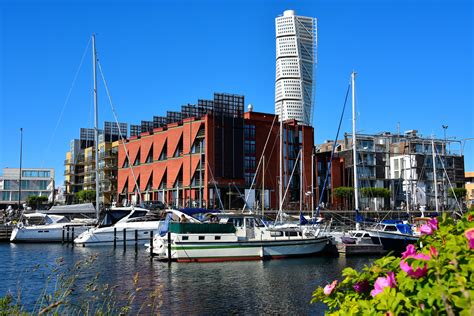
(414, 273)
(470, 237)
(429, 227)
(362, 286)
(383, 282)
(426, 230)
(433, 223)
(409, 252)
(330, 287)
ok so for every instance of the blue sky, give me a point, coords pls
(414, 61)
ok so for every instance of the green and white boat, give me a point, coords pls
(234, 237)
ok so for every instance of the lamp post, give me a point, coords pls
(445, 127)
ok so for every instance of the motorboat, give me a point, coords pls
(121, 224)
(51, 225)
(394, 235)
(231, 237)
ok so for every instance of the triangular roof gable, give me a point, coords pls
(190, 129)
(186, 173)
(146, 145)
(159, 170)
(159, 140)
(174, 136)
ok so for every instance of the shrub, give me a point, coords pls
(433, 277)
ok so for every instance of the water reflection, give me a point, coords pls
(256, 287)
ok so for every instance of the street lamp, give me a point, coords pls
(445, 127)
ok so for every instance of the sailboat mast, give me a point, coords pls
(263, 186)
(280, 210)
(96, 128)
(435, 179)
(354, 144)
(312, 186)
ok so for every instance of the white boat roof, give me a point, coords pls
(85, 208)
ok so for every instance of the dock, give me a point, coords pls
(5, 232)
(361, 249)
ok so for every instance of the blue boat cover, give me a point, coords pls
(163, 229)
(405, 229)
(392, 221)
(303, 221)
(192, 211)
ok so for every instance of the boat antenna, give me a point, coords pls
(435, 179)
(96, 128)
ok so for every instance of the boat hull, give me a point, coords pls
(45, 234)
(241, 250)
(106, 236)
(393, 241)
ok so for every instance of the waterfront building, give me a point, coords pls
(79, 171)
(401, 163)
(469, 176)
(295, 66)
(34, 181)
(208, 155)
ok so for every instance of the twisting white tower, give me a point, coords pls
(296, 42)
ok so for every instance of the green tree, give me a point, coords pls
(344, 193)
(460, 193)
(85, 196)
(375, 193)
(35, 201)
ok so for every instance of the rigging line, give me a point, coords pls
(333, 151)
(215, 186)
(118, 126)
(259, 162)
(289, 182)
(449, 181)
(66, 100)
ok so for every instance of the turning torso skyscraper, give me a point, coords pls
(295, 60)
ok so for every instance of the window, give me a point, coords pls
(217, 237)
(201, 237)
(185, 238)
(276, 234)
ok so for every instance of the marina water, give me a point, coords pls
(255, 287)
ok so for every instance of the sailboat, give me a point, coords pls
(356, 241)
(51, 227)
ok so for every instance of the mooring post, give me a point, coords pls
(169, 247)
(124, 239)
(136, 241)
(72, 236)
(115, 237)
(62, 239)
(67, 234)
(151, 245)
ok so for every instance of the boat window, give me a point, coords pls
(185, 237)
(299, 234)
(291, 233)
(390, 228)
(138, 214)
(217, 237)
(237, 222)
(276, 234)
(201, 237)
(249, 222)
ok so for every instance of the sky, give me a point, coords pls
(414, 63)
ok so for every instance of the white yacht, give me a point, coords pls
(233, 237)
(52, 225)
(119, 225)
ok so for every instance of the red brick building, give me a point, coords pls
(209, 156)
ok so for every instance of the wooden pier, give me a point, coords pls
(361, 249)
(5, 232)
